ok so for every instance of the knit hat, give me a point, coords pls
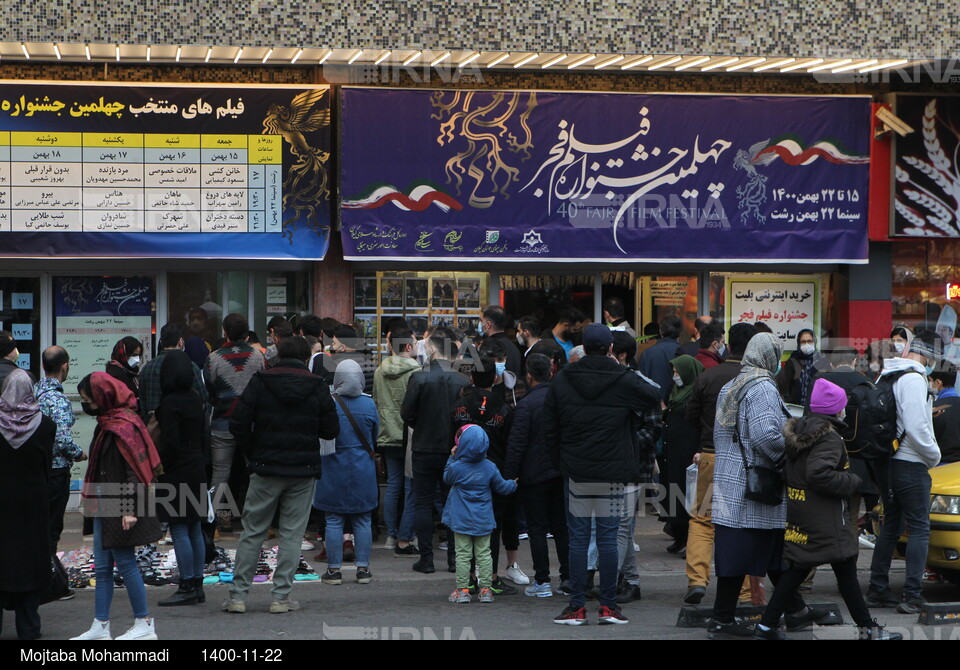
(827, 398)
(597, 336)
(928, 349)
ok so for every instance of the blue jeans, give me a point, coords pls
(190, 548)
(126, 561)
(399, 525)
(906, 505)
(362, 536)
(588, 504)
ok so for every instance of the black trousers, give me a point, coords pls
(59, 495)
(427, 473)
(728, 592)
(505, 514)
(543, 505)
(790, 580)
(27, 613)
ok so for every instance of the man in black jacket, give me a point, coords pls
(541, 486)
(590, 424)
(428, 409)
(946, 413)
(281, 415)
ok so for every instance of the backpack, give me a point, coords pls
(871, 432)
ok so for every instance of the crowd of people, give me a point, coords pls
(558, 432)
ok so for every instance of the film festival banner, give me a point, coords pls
(159, 171)
(524, 175)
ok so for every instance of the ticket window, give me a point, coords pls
(20, 316)
(659, 296)
(194, 302)
(278, 293)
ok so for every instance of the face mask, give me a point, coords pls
(677, 380)
(16, 355)
(933, 388)
(483, 330)
(134, 362)
(522, 342)
(500, 368)
(807, 349)
(722, 350)
(899, 346)
(421, 352)
(269, 340)
(929, 369)
(842, 415)
(87, 409)
(779, 368)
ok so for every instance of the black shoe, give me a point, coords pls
(878, 599)
(694, 595)
(720, 631)
(198, 587)
(676, 547)
(911, 605)
(565, 588)
(424, 567)
(501, 588)
(364, 576)
(592, 593)
(876, 632)
(803, 619)
(186, 595)
(628, 594)
(771, 634)
(409, 550)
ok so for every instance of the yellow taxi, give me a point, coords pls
(944, 553)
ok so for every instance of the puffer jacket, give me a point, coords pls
(389, 386)
(471, 478)
(819, 484)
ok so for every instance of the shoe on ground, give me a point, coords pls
(539, 590)
(932, 576)
(364, 576)
(306, 545)
(694, 595)
(876, 632)
(525, 536)
(391, 543)
(867, 541)
(142, 629)
(424, 567)
(335, 578)
(565, 588)
(628, 594)
(501, 588)
(676, 547)
(720, 631)
(284, 606)
(572, 617)
(322, 556)
(593, 593)
(100, 630)
(443, 546)
(474, 587)
(879, 599)
(406, 552)
(636, 547)
(803, 619)
(910, 605)
(186, 594)
(459, 596)
(71, 594)
(517, 576)
(486, 595)
(610, 615)
(768, 634)
(234, 606)
(349, 551)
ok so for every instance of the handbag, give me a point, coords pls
(764, 485)
(377, 458)
(59, 586)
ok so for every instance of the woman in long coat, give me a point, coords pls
(681, 440)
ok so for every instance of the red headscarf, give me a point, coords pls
(120, 419)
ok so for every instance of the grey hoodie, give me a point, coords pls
(914, 413)
(389, 387)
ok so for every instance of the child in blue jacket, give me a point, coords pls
(469, 509)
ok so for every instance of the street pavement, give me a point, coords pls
(402, 604)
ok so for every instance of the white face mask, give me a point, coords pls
(842, 415)
(421, 350)
(522, 342)
(722, 350)
(899, 346)
(134, 361)
(807, 349)
(677, 380)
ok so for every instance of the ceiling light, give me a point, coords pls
(86, 49)
(56, 50)
(692, 63)
(206, 58)
(384, 56)
(179, 51)
(239, 53)
(801, 65)
(612, 61)
(746, 63)
(267, 56)
(773, 64)
(469, 59)
(499, 59)
(855, 66)
(118, 53)
(148, 53)
(355, 56)
(412, 57)
(664, 63)
(583, 61)
(25, 52)
(639, 61)
(553, 61)
(829, 65)
(723, 63)
(439, 59)
(526, 59)
(296, 57)
(896, 63)
(323, 59)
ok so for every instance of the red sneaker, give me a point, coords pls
(572, 617)
(611, 615)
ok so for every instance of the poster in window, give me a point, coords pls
(365, 292)
(468, 293)
(391, 292)
(416, 290)
(443, 293)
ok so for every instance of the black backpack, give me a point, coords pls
(871, 432)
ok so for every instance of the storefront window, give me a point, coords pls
(544, 296)
(20, 316)
(285, 294)
(660, 296)
(926, 284)
(194, 301)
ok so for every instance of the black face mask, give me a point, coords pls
(87, 409)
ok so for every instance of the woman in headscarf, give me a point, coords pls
(182, 448)
(796, 377)
(681, 440)
(124, 365)
(749, 534)
(348, 487)
(26, 449)
(122, 453)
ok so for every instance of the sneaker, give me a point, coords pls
(486, 595)
(676, 547)
(628, 593)
(694, 595)
(929, 575)
(322, 556)
(611, 615)
(364, 576)
(459, 596)
(349, 551)
(876, 632)
(516, 575)
(803, 619)
(424, 567)
(335, 577)
(100, 630)
(525, 536)
(768, 634)
(306, 546)
(565, 588)
(911, 605)
(721, 631)
(407, 551)
(572, 617)
(284, 606)
(234, 606)
(71, 594)
(142, 630)
(539, 590)
(867, 541)
(878, 599)
(501, 588)
(391, 543)
(474, 587)
(443, 546)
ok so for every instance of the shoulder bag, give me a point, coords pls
(377, 459)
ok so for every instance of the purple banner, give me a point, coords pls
(526, 175)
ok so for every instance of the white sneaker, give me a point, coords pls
(142, 630)
(391, 543)
(515, 575)
(865, 542)
(306, 545)
(100, 630)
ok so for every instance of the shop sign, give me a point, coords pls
(953, 291)
(786, 304)
(668, 292)
(562, 176)
(161, 171)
